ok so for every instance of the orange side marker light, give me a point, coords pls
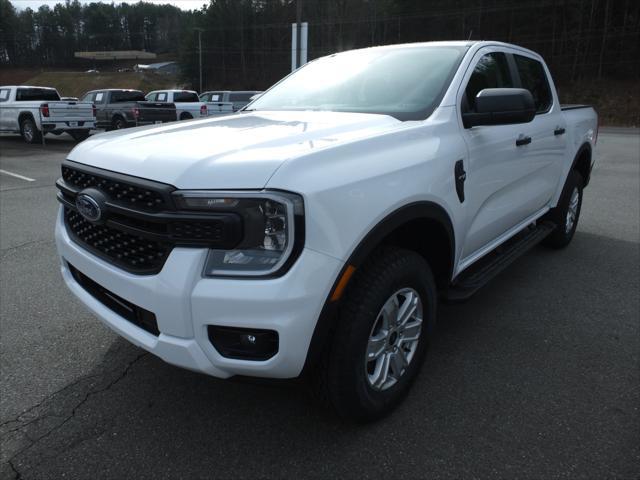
(342, 283)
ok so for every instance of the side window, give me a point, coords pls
(161, 97)
(240, 97)
(4, 95)
(491, 71)
(99, 97)
(534, 79)
(89, 97)
(151, 97)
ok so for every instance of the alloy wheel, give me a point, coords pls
(394, 338)
(572, 211)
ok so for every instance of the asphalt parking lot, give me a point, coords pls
(537, 376)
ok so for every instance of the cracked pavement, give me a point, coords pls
(537, 376)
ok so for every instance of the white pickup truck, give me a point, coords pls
(315, 234)
(34, 111)
(237, 99)
(188, 104)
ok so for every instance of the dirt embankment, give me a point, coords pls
(75, 84)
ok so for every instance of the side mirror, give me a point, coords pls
(501, 106)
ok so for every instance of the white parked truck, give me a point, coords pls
(237, 99)
(315, 234)
(188, 105)
(34, 111)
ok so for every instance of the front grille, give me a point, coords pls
(199, 230)
(121, 191)
(127, 310)
(140, 224)
(131, 252)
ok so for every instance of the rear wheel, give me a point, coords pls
(567, 213)
(381, 337)
(118, 123)
(186, 116)
(29, 131)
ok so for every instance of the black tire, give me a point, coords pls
(186, 116)
(79, 135)
(565, 230)
(343, 375)
(29, 131)
(118, 123)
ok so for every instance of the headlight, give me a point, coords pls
(273, 229)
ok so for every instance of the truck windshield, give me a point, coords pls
(404, 82)
(183, 97)
(36, 94)
(127, 96)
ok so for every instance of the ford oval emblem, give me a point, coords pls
(88, 207)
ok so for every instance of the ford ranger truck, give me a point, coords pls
(314, 234)
(35, 111)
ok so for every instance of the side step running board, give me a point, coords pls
(479, 274)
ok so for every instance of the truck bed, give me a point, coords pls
(570, 106)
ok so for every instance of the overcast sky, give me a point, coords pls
(184, 4)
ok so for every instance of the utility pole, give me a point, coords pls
(299, 33)
(299, 39)
(200, 30)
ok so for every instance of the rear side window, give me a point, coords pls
(127, 96)
(491, 71)
(182, 97)
(240, 97)
(4, 95)
(99, 97)
(534, 79)
(34, 94)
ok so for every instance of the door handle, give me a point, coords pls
(559, 131)
(523, 141)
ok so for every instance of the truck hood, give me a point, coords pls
(231, 152)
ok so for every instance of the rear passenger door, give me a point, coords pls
(545, 153)
(102, 114)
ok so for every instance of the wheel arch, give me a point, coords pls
(582, 162)
(424, 227)
(421, 226)
(23, 115)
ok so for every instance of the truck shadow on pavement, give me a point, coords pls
(535, 376)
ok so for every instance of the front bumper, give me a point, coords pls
(185, 303)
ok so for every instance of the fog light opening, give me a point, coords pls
(243, 343)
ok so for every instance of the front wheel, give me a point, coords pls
(29, 131)
(567, 213)
(382, 335)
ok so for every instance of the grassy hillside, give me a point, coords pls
(75, 84)
(617, 101)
